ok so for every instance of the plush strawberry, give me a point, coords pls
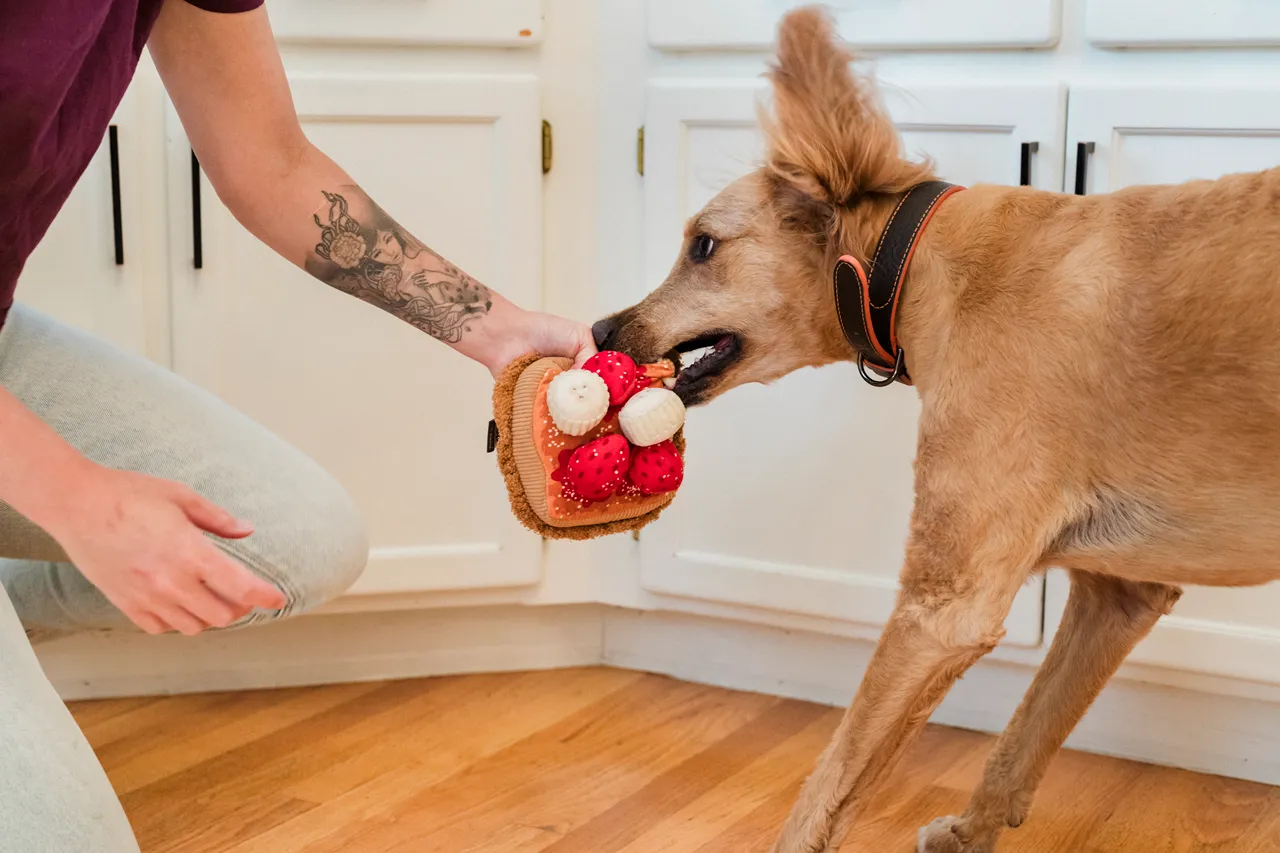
(619, 373)
(594, 471)
(657, 468)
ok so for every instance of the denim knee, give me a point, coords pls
(312, 551)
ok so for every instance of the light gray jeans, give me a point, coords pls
(125, 412)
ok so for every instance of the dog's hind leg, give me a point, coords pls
(1105, 618)
(961, 575)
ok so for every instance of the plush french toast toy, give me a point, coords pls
(587, 451)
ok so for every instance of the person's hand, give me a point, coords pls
(545, 334)
(138, 539)
(550, 335)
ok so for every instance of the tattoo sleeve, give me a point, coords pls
(377, 261)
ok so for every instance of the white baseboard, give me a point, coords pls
(325, 649)
(1209, 732)
(1213, 732)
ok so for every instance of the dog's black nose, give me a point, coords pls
(605, 331)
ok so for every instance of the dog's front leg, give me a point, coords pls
(957, 591)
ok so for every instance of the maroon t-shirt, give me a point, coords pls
(64, 66)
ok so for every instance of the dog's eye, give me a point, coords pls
(702, 247)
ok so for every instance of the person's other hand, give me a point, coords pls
(139, 539)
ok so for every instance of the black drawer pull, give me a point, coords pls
(1083, 150)
(197, 237)
(1024, 174)
(117, 217)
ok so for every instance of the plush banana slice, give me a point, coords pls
(577, 401)
(651, 416)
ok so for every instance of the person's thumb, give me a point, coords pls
(586, 346)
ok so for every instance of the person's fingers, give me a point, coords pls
(177, 618)
(236, 584)
(145, 620)
(207, 606)
(210, 517)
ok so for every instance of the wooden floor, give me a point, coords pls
(586, 761)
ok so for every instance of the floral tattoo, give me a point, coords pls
(382, 264)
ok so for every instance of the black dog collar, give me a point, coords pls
(868, 305)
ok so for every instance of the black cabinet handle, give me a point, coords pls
(1083, 150)
(1024, 174)
(117, 218)
(197, 237)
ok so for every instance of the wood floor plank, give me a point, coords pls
(116, 736)
(625, 820)
(495, 792)
(214, 789)
(434, 753)
(506, 705)
(1078, 796)
(568, 773)
(589, 761)
(219, 729)
(1175, 811)
(702, 818)
(1264, 835)
(93, 712)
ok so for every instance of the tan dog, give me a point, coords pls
(1100, 389)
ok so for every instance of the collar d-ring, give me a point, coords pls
(886, 380)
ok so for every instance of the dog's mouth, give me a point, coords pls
(702, 360)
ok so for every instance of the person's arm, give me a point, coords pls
(224, 75)
(137, 538)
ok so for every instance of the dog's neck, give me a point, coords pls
(947, 261)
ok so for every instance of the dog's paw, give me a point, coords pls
(950, 835)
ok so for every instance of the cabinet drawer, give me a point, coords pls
(502, 23)
(885, 24)
(1172, 23)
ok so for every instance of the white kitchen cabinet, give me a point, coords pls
(774, 514)
(1145, 135)
(1173, 23)
(396, 416)
(883, 24)
(76, 274)
(459, 23)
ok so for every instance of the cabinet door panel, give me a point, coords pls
(73, 275)
(774, 516)
(1168, 135)
(938, 24)
(1170, 23)
(396, 416)
(499, 23)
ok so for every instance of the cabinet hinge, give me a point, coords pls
(546, 146)
(640, 150)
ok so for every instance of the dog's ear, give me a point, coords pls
(829, 139)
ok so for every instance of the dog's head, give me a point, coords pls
(752, 279)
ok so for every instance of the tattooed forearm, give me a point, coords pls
(377, 261)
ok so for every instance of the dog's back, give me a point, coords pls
(1139, 330)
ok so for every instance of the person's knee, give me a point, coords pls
(312, 553)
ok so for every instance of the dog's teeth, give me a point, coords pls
(692, 357)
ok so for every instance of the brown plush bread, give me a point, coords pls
(516, 401)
